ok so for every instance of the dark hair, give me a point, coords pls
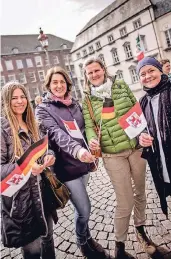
(61, 71)
(164, 61)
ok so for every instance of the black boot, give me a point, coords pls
(120, 252)
(147, 245)
(92, 250)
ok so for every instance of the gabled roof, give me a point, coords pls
(112, 16)
(28, 43)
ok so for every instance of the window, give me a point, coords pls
(46, 61)
(41, 75)
(128, 51)
(11, 78)
(119, 74)
(72, 70)
(115, 56)
(15, 51)
(123, 32)
(91, 49)
(9, 65)
(110, 38)
(1, 68)
(64, 46)
(29, 62)
(32, 77)
(2, 81)
(55, 60)
(134, 75)
(168, 37)
(22, 78)
(39, 48)
(19, 64)
(137, 24)
(98, 45)
(143, 42)
(101, 56)
(78, 55)
(38, 61)
(84, 53)
(81, 69)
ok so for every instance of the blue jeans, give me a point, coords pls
(42, 247)
(82, 207)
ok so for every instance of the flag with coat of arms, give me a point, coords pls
(139, 48)
(133, 122)
(72, 129)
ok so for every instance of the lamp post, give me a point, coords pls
(70, 72)
(43, 39)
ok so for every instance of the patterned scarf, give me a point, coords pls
(67, 101)
(103, 90)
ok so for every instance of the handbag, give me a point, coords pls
(55, 193)
(97, 153)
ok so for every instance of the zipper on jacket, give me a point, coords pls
(12, 207)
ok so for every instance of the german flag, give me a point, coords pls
(108, 111)
(20, 175)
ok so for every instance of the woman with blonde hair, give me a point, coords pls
(24, 218)
(58, 108)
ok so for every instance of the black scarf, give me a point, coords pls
(164, 124)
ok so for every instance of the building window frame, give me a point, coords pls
(38, 61)
(123, 31)
(29, 62)
(55, 60)
(91, 49)
(119, 75)
(98, 45)
(3, 81)
(110, 38)
(137, 24)
(128, 50)
(11, 77)
(101, 56)
(78, 55)
(22, 80)
(134, 76)
(115, 56)
(41, 77)
(81, 69)
(32, 75)
(19, 64)
(85, 53)
(9, 65)
(168, 37)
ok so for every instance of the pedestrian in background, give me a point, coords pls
(166, 67)
(121, 156)
(24, 218)
(73, 159)
(38, 100)
(156, 106)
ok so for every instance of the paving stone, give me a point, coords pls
(102, 235)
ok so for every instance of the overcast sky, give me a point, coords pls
(64, 18)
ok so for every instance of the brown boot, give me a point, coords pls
(120, 252)
(147, 245)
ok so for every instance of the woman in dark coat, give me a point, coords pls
(25, 223)
(57, 111)
(156, 106)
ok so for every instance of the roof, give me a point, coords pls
(28, 43)
(119, 10)
(161, 7)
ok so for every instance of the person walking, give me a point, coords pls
(121, 155)
(25, 223)
(73, 161)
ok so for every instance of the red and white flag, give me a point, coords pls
(73, 129)
(133, 122)
(139, 48)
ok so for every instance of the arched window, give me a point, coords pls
(101, 56)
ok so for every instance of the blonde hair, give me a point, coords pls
(92, 60)
(61, 71)
(28, 116)
(38, 100)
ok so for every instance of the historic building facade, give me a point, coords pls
(23, 59)
(112, 36)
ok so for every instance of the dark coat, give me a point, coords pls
(67, 167)
(164, 123)
(23, 218)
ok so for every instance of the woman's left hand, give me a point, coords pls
(48, 160)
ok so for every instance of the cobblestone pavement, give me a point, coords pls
(102, 224)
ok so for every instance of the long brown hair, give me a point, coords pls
(28, 116)
(90, 61)
(61, 71)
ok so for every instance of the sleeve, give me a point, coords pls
(56, 134)
(89, 125)
(6, 166)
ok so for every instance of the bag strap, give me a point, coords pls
(90, 108)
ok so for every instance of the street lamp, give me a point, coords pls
(63, 46)
(43, 39)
